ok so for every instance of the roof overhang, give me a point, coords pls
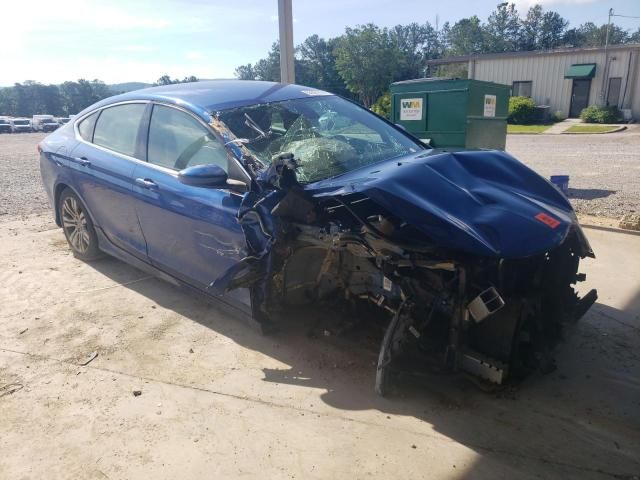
(532, 53)
(581, 70)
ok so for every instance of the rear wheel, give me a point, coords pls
(77, 227)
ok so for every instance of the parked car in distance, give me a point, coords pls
(20, 125)
(5, 125)
(62, 120)
(264, 195)
(44, 123)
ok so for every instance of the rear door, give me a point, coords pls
(102, 165)
(191, 232)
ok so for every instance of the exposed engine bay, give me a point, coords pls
(468, 276)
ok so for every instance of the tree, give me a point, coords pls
(367, 61)
(409, 41)
(362, 62)
(316, 66)
(573, 37)
(530, 29)
(503, 29)
(164, 80)
(552, 29)
(76, 96)
(268, 69)
(167, 80)
(51, 100)
(465, 37)
(7, 101)
(245, 72)
(383, 106)
(590, 35)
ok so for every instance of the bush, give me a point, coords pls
(383, 106)
(522, 110)
(558, 116)
(599, 114)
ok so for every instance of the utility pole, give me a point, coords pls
(605, 75)
(606, 41)
(285, 19)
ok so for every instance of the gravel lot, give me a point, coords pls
(21, 191)
(604, 170)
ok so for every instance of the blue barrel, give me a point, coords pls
(561, 182)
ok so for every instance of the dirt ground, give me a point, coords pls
(219, 400)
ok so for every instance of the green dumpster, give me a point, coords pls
(452, 113)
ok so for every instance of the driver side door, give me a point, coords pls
(191, 231)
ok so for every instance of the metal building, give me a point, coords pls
(567, 79)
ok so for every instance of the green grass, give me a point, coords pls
(526, 128)
(590, 129)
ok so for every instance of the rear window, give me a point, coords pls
(117, 128)
(85, 127)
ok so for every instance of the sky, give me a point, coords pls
(51, 41)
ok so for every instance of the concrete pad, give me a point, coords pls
(221, 401)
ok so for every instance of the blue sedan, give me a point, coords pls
(263, 195)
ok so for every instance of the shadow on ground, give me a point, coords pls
(582, 421)
(589, 193)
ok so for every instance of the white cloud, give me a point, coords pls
(137, 48)
(124, 40)
(21, 18)
(194, 55)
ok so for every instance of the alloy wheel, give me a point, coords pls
(74, 223)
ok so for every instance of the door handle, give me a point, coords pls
(146, 183)
(84, 161)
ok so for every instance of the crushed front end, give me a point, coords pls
(468, 259)
(491, 317)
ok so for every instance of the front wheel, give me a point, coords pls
(78, 227)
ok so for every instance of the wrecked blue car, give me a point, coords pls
(265, 196)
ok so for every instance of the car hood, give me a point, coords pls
(480, 202)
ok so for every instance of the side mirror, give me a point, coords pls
(203, 176)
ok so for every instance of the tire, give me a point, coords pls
(78, 227)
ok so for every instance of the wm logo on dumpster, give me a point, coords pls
(411, 104)
(411, 109)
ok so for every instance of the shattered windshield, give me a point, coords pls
(327, 135)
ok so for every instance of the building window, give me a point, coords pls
(613, 95)
(522, 89)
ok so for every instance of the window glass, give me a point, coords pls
(327, 135)
(177, 141)
(117, 127)
(522, 89)
(85, 127)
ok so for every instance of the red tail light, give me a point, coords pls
(39, 147)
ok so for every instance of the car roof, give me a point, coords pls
(210, 96)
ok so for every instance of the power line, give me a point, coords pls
(623, 16)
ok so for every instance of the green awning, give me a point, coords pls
(581, 70)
